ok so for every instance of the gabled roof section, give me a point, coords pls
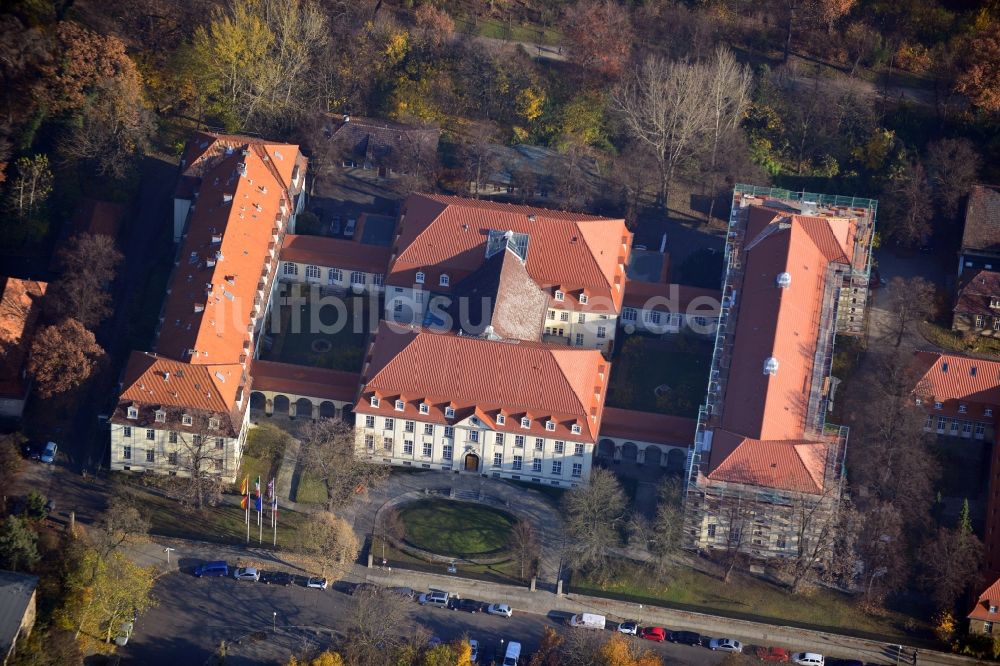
(442, 234)
(990, 598)
(153, 380)
(219, 285)
(542, 382)
(304, 380)
(976, 294)
(795, 465)
(946, 377)
(335, 253)
(647, 427)
(982, 219)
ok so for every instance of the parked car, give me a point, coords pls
(49, 454)
(276, 577)
(631, 628)
(771, 653)
(405, 592)
(684, 637)
(588, 621)
(499, 609)
(725, 644)
(808, 659)
(474, 644)
(658, 634)
(434, 599)
(467, 605)
(513, 654)
(125, 633)
(317, 583)
(246, 573)
(366, 588)
(31, 451)
(217, 568)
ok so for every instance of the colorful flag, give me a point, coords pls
(257, 504)
(270, 489)
(243, 486)
(256, 487)
(243, 502)
(274, 509)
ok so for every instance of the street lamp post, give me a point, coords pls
(274, 625)
(168, 550)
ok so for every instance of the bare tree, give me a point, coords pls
(372, 627)
(331, 540)
(738, 516)
(478, 155)
(329, 449)
(953, 168)
(122, 520)
(910, 301)
(88, 264)
(198, 483)
(816, 521)
(908, 206)
(729, 88)
(594, 514)
(950, 564)
(663, 105)
(524, 544)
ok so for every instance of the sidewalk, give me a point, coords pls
(521, 599)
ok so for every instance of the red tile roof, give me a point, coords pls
(976, 294)
(228, 244)
(483, 377)
(982, 219)
(570, 252)
(647, 427)
(335, 253)
(951, 378)
(990, 597)
(797, 465)
(20, 306)
(671, 297)
(305, 381)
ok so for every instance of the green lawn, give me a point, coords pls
(300, 341)
(512, 31)
(262, 454)
(501, 572)
(310, 490)
(944, 337)
(750, 598)
(458, 529)
(680, 362)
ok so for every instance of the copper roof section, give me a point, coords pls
(335, 253)
(566, 251)
(478, 376)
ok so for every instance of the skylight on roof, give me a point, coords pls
(514, 241)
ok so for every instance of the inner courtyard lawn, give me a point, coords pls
(456, 529)
(679, 363)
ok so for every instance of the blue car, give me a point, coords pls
(212, 569)
(49, 454)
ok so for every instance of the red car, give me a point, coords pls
(658, 634)
(771, 654)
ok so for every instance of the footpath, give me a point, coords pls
(184, 555)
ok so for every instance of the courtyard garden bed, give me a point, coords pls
(667, 375)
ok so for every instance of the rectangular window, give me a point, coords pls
(408, 426)
(996, 323)
(579, 339)
(979, 321)
(942, 421)
(196, 440)
(127, 452)
(628, 314)
(563, 316)
(498, 460)
(446, 452)
(370, 442)
(127, 431)
(150, 455)
(172, 438)
(499, 439)
(988, 411)
(711, 531)
(427, 449)
(519, 441)
(408, 447)
(929, 423)
(218, 464)
(556, 467)
(577, 470)
(172, 458)
(954, 426)
(560, 447)
(387, 443)
(578, 449)
(502, 420)
(449, 432)
(539, 443)
(980, 430)
(966, 427)
(220, 443)
(473, 435)
(335, 275)
(602, 331)
(378, 279)
(390, 424)
(357, 277)
(551, 315)
(517, 462)
(369, 421)
(428, 428)
(581, 318)
(536, 465)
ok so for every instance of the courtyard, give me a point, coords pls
(328, 331)
(457, 529)
(666, 374)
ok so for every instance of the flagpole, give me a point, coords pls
(274, 520)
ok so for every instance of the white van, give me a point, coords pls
(513, 654)
(434, 599)
(588, 621)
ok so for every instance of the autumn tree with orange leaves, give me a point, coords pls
(980, 77)
(63, 357)
(599, 36)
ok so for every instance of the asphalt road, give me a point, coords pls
(195, 615)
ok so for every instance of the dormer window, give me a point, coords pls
(161, 416)
(419, 279)
(525, 422)
(993, 609)
(576, 428)
(938, 405)
(374, 401)
(186, 420)
(399, 405)
(560, 296)
(919, 402)
(133, 412)
(501, 419)
(995, 302)
(449, 412)
(550, 425)
(988, 411)
(583, 299)
(962, 409)
(424, 408)
(213, 424)
(444, 280)
(771, 366)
